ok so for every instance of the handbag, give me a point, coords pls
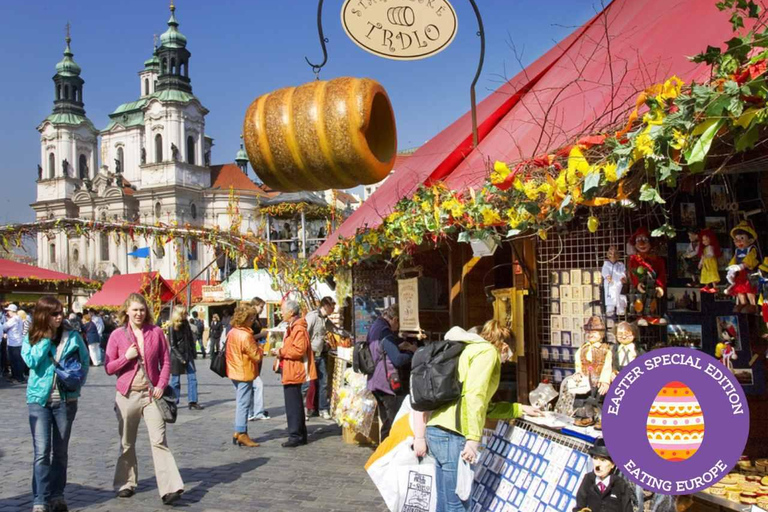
(69, 372)
(167, 403)
(219, 363)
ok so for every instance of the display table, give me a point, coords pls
(529, 467)
(706, 502)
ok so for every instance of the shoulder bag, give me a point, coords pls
(167, 403)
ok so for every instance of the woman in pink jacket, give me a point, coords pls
(138, 354)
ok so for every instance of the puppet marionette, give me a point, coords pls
(603, 489)
(725, 352)
(626, 350)
(648, 275)
(692, 256)
(594, 358)
(614, 276)
(743, 263)
(709, 252)
(762, 286)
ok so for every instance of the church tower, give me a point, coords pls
(68, 157)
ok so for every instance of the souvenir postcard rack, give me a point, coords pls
(529, 468)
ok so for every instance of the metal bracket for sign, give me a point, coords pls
(473, 99)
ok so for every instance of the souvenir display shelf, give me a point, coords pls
(529, 468)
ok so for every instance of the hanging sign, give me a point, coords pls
(408, 302)
(215, 293)
(400, 29)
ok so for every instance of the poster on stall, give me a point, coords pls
(408, 299)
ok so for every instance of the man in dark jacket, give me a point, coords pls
(603, 490)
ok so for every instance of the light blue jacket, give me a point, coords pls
(38, 358)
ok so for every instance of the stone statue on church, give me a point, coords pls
(119, 180)
(118, 166)
(174, 152)
(39, 172)
(65, 168)
(143, 155)
(88, 184)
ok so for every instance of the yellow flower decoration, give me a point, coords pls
(518, 184)
(454, 207)
(671, 89)
(609, 171)
(425, 206)
(560, 182)
(499, 173)
(577, 163)
(490, 216)
(644, 145)
(531, 190)
(680, 139)
(655, 117)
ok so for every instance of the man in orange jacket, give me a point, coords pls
(298, 363)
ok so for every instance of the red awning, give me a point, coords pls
(117, 288)
(18, 270)
(582, 84)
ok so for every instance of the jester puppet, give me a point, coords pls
(741, 266)
(648, 276)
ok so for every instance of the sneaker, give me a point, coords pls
(58, 504)
(40, 508)
(325, 415)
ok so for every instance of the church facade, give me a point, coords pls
(150, 164)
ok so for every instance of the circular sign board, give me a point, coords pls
(400, 29)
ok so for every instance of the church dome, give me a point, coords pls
(172, 38)
(67, 66)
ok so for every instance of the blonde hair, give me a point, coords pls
(499, 336)
(179, 316)
(243, 312)
(122, 314)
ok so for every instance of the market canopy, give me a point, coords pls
(586, 82)
(29, 274)
(118, 287)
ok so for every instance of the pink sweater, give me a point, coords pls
(156, 354)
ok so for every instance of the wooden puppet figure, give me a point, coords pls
(709, 252)
(743, 263)
(692, 255)
(594, 358)
(648, 275)
(626, 350)
(614, 276)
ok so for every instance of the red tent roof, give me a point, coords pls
(117, 288)
(9, 268)
(582, 84)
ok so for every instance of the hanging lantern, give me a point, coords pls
(323, 134)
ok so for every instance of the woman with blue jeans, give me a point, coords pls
(243, 358)
(182, 357)
(52, 410)
(438, 431)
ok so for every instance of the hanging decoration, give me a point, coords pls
(311, 211)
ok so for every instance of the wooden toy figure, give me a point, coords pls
(625, 351)
(594, 358)
(725, 352)
(709, 252)
(762, 286)
(692, 255)
(614, 276)
(743, 263)
(603, 489)
(648, 275)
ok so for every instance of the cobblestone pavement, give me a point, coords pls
(325, 475)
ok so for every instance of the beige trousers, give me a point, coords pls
(129, 411)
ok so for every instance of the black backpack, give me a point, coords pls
(362, 359)
(435, 375)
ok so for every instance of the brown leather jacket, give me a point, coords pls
(243, 355)
(296, 354)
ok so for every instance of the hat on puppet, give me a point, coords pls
(764, 265)
(744, 226)
(599, 449)
(595, 323)
(640, 232)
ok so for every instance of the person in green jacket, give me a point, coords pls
(479, 374)
(52, 409)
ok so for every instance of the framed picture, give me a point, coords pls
(565, 323)
(684, 335)
(565, 277)
(744, 376)
(555, 307)
(565, 338)
(545, 353)
(728, 330)
(565, 307)
(556, 339)
(716, 224)
(575, 339)
(554, 278)
(597, 277)
(719, 197)
(554, 292)
(685, 266)
(684, 299)
(575, 276)
(576, 292)
(688, 214)
(586, 292)
(565, 292)
(555, 324)
(578, 323)
(586, 277)
(565, 355)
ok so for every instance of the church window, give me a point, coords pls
(75, 255)
(158, 209)
(185, 64)
(104, 246)
(158, 148)
(146, 86)
(52, 253)
(193, 211)
(58, 91)
(164, 67)
(74, 93)
(51, 165)
(173, 66)
(121, 160)
(82, 167)
(66, 92)
(191, 150)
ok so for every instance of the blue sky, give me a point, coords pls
(240, 50)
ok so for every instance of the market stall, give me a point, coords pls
(23, 283)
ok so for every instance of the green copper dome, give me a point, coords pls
(242, 156)
(172, 38)
(68, 66)
(152, 62)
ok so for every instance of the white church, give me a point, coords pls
(151, 165)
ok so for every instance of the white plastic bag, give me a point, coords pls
(464, 478)
(417, 488)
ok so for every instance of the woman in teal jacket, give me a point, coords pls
(52, 410)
